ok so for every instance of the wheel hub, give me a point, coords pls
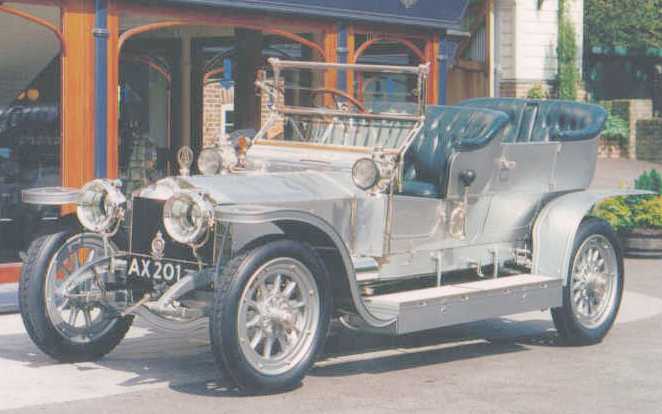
(593, 281)
(277, 314)
(77, 311)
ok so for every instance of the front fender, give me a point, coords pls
(242, 214)
(555, 228)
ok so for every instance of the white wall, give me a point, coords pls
(526, 38)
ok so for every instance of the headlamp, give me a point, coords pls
(210, 161)
(101, 206)
(365, 173)
(188, 217)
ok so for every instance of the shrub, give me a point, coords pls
(649, 181)
(627, 213)
(568, 72)
(615, 211)
(648, 213)
(537, 91)
(616, 130)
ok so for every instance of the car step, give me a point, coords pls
(430, 308)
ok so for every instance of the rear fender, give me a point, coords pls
(555, 228)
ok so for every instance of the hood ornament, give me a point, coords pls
(185, 160)
(158, 246)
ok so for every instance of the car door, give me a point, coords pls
(456, 141)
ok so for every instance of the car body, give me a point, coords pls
(400, 218)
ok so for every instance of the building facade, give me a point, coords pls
(112, 88)
(526, 40)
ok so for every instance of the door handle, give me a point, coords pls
(506, 164)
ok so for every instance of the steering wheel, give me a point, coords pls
(336, 93)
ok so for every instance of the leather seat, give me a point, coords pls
(446, 130)
(532, 120)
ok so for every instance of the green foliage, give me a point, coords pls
(648, 213)
(616, 130)
(568, 74)
(615, 211)
(537, 91)
(633, 24)
(627, 213)
(649, 181)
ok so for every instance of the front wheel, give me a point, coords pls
(271, 315)
(61, 323)
(592, 296)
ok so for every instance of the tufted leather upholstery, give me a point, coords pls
(356, 132)
(545, 120)
(446, 129)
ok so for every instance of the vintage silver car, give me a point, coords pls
(387, 216)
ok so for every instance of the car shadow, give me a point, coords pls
(186, 364)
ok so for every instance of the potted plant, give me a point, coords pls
(637, 219)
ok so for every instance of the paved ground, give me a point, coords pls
(497, 366)
(620, 173)
(503, 365)
(8, 297)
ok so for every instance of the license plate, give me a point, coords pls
(156, 270)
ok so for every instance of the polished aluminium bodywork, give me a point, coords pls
(520, 208)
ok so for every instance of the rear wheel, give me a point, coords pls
(271, 315)
(62, 323)
(592, 296)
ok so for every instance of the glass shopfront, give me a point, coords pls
(29, 127)
(29, 157)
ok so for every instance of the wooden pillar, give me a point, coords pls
(77, 102)
(432, 56)
(330, 45)
(186, 89)
(248, 45)
(351, 49)
(113, 89)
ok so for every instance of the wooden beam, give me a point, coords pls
(38, 20)
(222, 22)
(351, 51)
(330, 42)
(113, 89)
(204, 16)
(432, 54)
(376, 39)
(77, 101)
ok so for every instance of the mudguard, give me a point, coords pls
(266, 214)
(555, 228)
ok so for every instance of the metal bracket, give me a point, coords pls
(100, 32)
(495, 262)
(438, 259)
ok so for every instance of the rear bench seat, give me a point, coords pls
(533, 120)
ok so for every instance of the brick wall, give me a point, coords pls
(214, 97)
(649, 140)
(632, 111)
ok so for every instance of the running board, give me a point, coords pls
(418, 310)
